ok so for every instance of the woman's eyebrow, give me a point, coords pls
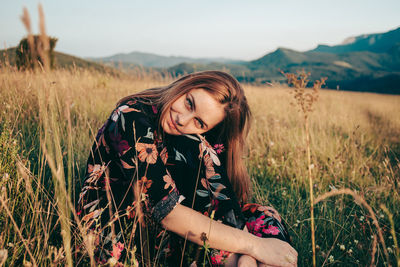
(194, 108)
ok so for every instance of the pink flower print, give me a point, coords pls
(215, 204)
(216, 259)
(255, 226)
(273, 230)
(258, 225)
(154, 108)
(219, 148)
(123, 147)
(117, 249)
(120, 145)
(250, 225)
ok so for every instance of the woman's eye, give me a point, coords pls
(199, 123)
(189, 103)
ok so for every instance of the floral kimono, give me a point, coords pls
(135, 177)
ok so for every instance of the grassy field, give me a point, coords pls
(48, 122)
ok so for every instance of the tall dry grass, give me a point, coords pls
(354, 144)
(49, 120)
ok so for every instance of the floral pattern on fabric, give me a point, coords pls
(264, 222)
(125, 156)
(128, 158)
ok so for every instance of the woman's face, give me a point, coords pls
(195, 112)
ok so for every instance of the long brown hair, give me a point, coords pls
(232, 130)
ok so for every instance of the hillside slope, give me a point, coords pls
(61, 61)
(377, 43)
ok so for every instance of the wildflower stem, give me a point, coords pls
(305, 101)
(311, 190)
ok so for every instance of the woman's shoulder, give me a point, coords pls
(137, 108)
(133, 117)
(140, 104)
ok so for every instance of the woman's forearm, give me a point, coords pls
(189, 223)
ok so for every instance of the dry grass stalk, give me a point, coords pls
(305, 101)
(17, 229)
(3, 256)
(62, 197)
(373, 251)
(31, 42)
(63, 209)
(51, 147)
(37, 47)
(359, 200)
(392, 231)
(70, 151)
(6, 58)
(44, 46)
(24, 173)
(110, 204)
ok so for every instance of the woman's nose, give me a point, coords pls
(183, 119)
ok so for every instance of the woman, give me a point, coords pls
(153, 163)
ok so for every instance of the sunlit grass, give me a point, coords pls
(354, 144)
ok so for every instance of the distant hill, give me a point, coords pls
(62, 60)
(157, 61)
(378, 43)
(366, 63)
(280, 58)
(360, 62)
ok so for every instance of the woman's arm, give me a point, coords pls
(189, 223)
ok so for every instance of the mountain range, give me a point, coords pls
(369, 62)
(156, 61)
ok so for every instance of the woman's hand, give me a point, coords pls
(274, 252)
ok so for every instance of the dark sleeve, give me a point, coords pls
(134, 156)
(201, 178)
(141, 157)
(224, 204)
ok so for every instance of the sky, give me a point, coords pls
(236, 29)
